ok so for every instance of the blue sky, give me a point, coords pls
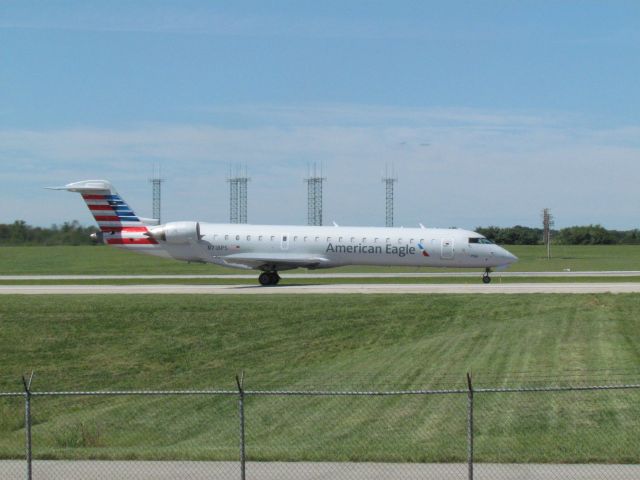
(489, 111)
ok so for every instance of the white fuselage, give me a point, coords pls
(337, 246)
(271, 248)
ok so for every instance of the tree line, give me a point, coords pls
(69, 233)
(578, 235)
(72, 233)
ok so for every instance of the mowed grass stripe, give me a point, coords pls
(96, 260)
(160, 331)
(322, 342)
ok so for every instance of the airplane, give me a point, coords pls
(274, 248)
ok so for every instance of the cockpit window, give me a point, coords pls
(481, 240)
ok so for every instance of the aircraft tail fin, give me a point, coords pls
(118, 223)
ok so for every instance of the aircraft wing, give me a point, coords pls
(274, 261)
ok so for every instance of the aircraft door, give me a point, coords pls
(284, 244)
(448, 249)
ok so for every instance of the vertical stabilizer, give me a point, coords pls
(118, 223)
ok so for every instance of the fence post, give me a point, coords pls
(27, 423)
(470, 426)
(240, 383)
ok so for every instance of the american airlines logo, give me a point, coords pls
(401, 251)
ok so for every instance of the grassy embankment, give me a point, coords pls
(110, 261)
(346, 342)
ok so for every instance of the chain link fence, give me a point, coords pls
(537, 433)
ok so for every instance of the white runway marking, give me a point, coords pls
(323, 289)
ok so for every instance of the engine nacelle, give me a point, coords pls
(176, 233)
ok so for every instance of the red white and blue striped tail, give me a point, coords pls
(118, 223)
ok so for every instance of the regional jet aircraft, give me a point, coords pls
(272, 248)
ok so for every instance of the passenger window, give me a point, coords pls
(411, 241)
(273, 237)
(317, 239)
(248, 238)
(305, 239)
(422, 241)
(399, 240)
(237, 237)
(340, 239)
(295, 238)
(328, 239)
(284, 238)
(375, 240)
(226, 237)
(388, 240)
(364, 239)
(260, 238)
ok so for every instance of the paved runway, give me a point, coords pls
(89, 470)
(244, 276)
(371, 288)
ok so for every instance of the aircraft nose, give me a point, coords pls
(509, 257)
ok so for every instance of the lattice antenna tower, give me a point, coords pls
(238, 181)
(389, 181)
(314, 194)
(547, 224)
(156, 193)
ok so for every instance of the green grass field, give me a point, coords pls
(105, 260)
(319, 342)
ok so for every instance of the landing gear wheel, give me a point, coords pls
(486, 278)
(275, 278)
(268, 278)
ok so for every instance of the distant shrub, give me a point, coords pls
(586, 235)
(69, 233)
(578, 235)
(517, 235)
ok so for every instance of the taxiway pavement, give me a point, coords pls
(159, 470)
(245, 276)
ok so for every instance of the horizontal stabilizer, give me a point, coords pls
(86, 186)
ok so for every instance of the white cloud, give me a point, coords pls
(455, 167)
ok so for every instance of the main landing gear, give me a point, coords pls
(486, 278)
(269, 278)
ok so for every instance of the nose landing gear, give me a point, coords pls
(486, 278)
(269, 278)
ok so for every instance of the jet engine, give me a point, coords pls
(176, 233)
